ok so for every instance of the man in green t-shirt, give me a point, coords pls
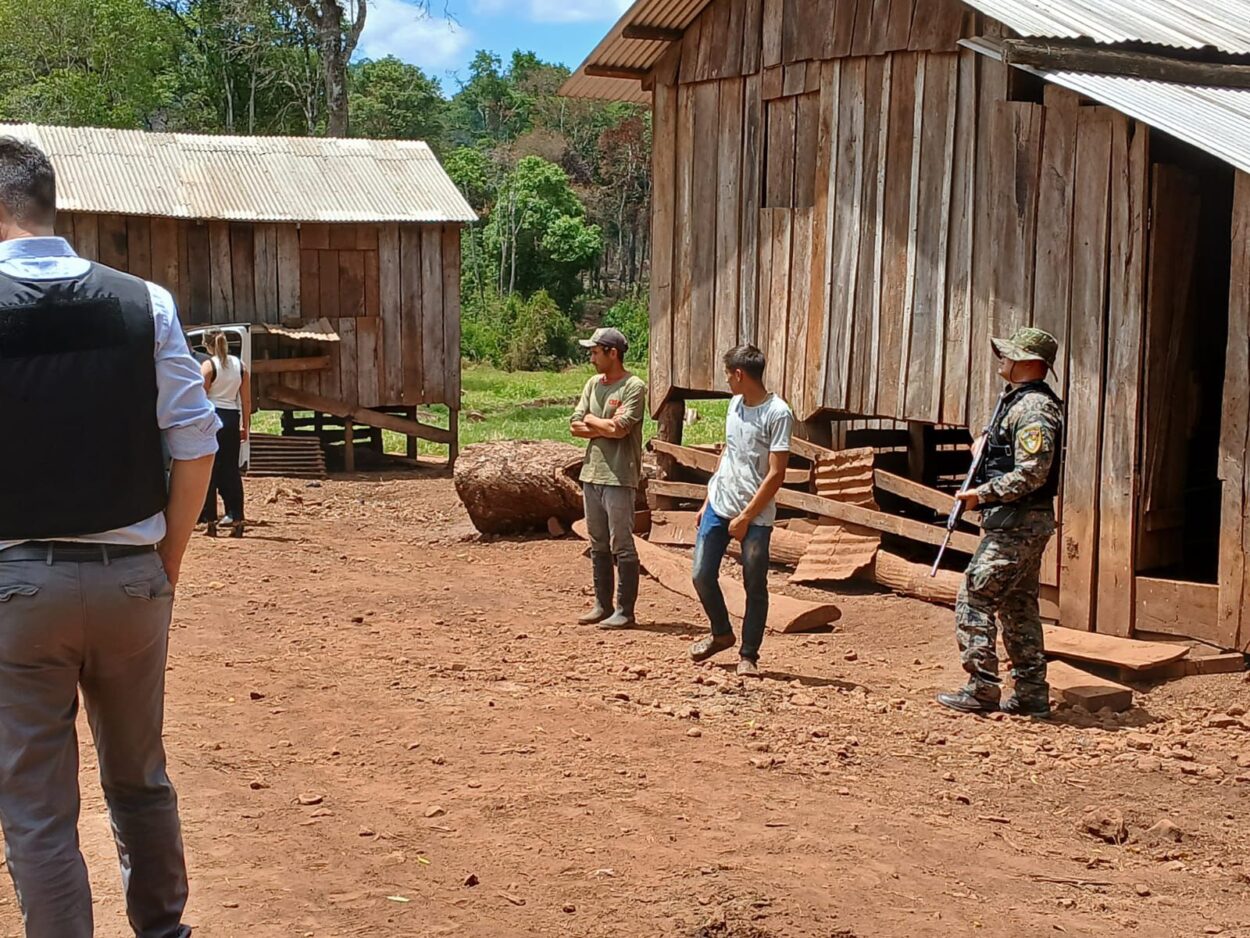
(609, 415)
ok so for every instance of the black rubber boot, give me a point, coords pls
(601, 565)
(626, 596)
(965, 701)
(1026, 708)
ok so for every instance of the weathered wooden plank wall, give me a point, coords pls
(733, 38)
(400, 282)
(827, 217)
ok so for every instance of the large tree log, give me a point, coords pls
(513, 486)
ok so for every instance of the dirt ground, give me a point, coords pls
(380, 724)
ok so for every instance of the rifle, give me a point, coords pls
(978, 458)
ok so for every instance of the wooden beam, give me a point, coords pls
(1110, 650)
(839, 511)
(306, 400)
(1080, 688)
(1173, 607)
(678, 529)
(1071, 57)
(652, 33)
(616, 71)
(273, 366)
(920, 494)
(806, 449)
(785, 613)
(707, 461)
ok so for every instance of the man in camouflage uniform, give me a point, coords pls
(1016, 488)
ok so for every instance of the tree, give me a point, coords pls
(102, 63)
(390, 99)
(338, 29)
(538, 233)
(246, 66)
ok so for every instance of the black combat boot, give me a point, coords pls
(969, 700)
(1026, 708)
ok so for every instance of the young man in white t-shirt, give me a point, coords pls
(740, 505)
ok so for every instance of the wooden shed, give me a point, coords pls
(295, 234)
(867, 190)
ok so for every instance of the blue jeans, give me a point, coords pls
(709, 550)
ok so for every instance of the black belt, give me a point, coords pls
(51, 552)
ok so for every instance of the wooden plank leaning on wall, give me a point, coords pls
(1234, 621)
(663, 197)
(1117, 512)
(929, 251)
(1078, 552)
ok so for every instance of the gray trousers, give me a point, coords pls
(103, 627)
(610, 519)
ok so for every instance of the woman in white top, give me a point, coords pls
(226, 381)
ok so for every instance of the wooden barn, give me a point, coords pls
(869, 189)
(343, 255)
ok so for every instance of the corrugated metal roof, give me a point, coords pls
(1213, 119)
(1188, 24)
(617, 51)
(309, 179)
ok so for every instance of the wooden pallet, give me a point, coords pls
(299, 457)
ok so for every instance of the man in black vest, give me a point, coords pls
(96, 383)
(1016, 495)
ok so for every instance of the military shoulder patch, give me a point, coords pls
(1031, 439)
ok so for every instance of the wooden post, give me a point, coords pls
(349, 446)
(412, 440)
(1233, 627)
(915, 450)
(672, 422)
(453, 448)
(375, 440)
(818, 430)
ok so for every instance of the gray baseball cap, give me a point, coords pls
(608, 338)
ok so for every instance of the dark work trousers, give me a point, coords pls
(226, 477)
(102, 628)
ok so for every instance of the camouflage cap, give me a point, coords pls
(1028, 344)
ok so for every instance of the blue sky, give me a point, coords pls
(444, 42)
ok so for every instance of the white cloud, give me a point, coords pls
(557, 11)
(399, 28)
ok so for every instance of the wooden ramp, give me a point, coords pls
(299, 457)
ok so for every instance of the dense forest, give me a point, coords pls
(562, 186)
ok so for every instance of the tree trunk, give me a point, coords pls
(513, 486)
(337, 45)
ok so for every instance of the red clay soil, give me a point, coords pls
(381, 724)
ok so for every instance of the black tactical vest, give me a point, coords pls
(1000, 455)
(82, 448)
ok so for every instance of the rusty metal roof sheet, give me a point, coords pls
(1213, 119)
(279, 179)
(617, 51)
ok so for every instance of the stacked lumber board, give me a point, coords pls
(299, 457)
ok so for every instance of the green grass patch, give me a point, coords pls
(522, 405)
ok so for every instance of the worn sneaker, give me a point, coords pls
(748, 668)
(706, 647)
(965, 702)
